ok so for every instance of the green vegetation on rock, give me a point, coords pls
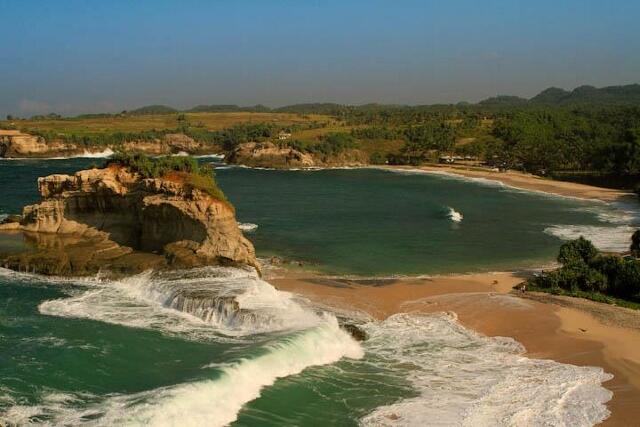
(196, 175)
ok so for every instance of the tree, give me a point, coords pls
(580, 250)
(635, 244)
(423, 139)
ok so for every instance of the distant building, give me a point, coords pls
(284, 135)
(446, 159)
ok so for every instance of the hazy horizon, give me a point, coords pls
(76, 57)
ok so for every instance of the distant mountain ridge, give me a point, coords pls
(228, 108)
(553, 96)
(153, 109)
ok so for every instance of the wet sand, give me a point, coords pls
(567, 333)
(527, 182)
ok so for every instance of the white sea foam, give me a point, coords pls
(210, 156)
(619, 221)
(612, 239)
(483, 181)
(454, 215)
(466, 379)
(165, 301)
(107, 152)
(248, 227)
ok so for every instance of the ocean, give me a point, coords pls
(221, 346)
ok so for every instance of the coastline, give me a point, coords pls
(485, 303)
(523, 181)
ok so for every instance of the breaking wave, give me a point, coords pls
(203, 303)
(454, 215)
(97, 154)
(199, 303)
(610, 239)
(466, 379)
(456, 376)
(619, 222)
(248, 227)
(214, 402)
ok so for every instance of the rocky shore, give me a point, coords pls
(270, 155)
(114, 220)
(16, 144)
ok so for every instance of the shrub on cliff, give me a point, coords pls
(196, 176)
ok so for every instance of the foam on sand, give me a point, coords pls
(465, 379)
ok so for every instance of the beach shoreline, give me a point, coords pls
(523, 181)
(486, 303)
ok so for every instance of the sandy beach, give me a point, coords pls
(526, 181)
(564, 330)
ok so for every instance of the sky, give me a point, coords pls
(73, 57)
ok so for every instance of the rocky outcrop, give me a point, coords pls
(15, 144)
(117, 213)
(171, 143)
(270, 155)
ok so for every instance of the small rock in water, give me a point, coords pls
(357, 333)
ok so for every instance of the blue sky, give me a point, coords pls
(88, 56)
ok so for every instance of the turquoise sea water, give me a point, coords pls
(76, 352)
(373, 222)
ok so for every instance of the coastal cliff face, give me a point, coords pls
(270, 155)
(103, 218)
(15, 144)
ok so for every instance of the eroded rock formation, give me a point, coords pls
(15, 144)
(270, 155)
(102, 218)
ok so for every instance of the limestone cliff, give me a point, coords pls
(15, 144)
(117, 215)
(270, 155)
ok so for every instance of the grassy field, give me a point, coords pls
(134, 123)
